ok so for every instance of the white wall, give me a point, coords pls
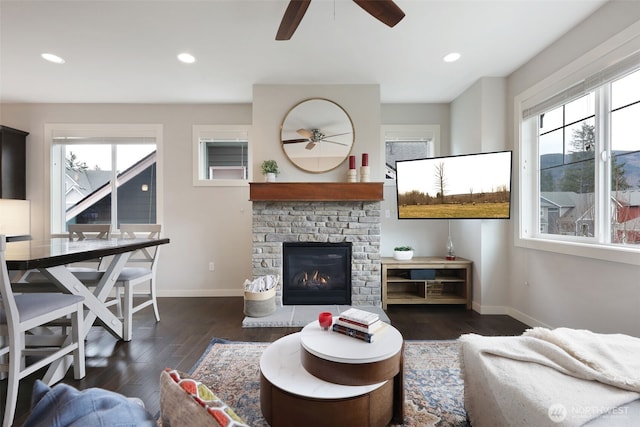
(478, 125)
(566, 290)
(213, 223)
(272, 102)
(204, 223)
(427, 237)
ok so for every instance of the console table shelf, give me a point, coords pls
(426, 280)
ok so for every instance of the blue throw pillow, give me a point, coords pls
(63, 405)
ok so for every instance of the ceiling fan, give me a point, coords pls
(385, 11)
(312, 137)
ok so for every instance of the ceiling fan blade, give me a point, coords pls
(336, 142)
(310, 145)
(293, 141)
(335, 134)
(305, 133)
(291, 19)
(385, 11)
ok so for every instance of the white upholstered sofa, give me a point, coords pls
(559, 377)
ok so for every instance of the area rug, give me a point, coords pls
(433, 385)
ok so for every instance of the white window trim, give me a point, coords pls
(102, 130)
(410, 130)
(196, 155)
(526, 234)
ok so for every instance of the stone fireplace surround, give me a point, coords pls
(328, 213)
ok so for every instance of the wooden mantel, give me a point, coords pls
(315, 191)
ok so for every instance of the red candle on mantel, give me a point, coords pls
(352, 162)
(365, 159)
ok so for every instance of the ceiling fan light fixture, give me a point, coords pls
(186, 58)
(452, 57)
(53, 58)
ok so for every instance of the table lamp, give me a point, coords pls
(15, 218)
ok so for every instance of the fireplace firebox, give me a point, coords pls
(316, 273)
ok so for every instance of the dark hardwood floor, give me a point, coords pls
(188, 324)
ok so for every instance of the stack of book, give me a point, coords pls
(359, 324)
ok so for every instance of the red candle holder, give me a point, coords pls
(352, 162)
(365, 159)
(325, 319)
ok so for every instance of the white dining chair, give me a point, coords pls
(141, 268)
(87, 271)
(20, 313)
(89, 231)
(91, 272)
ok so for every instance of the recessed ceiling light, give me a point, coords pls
(187, 58)
(452, 57)
(53, 58)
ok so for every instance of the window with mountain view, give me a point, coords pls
(589, 165)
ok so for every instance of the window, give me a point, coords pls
(220, 155)
(624, 177)
(408, 142)
(566, 147)
(103, 175)
(580, 166)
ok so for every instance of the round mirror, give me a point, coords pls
(317, 135)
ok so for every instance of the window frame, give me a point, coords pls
(51, 130)
(413, 130)
(197, 156)
(527, 234)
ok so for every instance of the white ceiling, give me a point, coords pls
(125, 51)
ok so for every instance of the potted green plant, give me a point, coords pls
(270, 170)
(403, 253)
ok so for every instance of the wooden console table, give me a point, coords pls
(426, 280)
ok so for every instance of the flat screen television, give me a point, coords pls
(468, 186)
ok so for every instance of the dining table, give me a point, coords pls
(51, 256)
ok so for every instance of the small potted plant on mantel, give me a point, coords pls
(270, 170)
(403, 253)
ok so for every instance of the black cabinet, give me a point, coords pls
(13, 163)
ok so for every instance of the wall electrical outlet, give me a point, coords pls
(212, 266)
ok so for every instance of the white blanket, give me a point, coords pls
(612, 359)
(525, 380)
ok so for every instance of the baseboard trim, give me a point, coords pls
(202, 293)
(526, 319)
(489, 309)
(504, 310)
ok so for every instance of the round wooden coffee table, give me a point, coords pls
(320, 378)
(349, 361)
